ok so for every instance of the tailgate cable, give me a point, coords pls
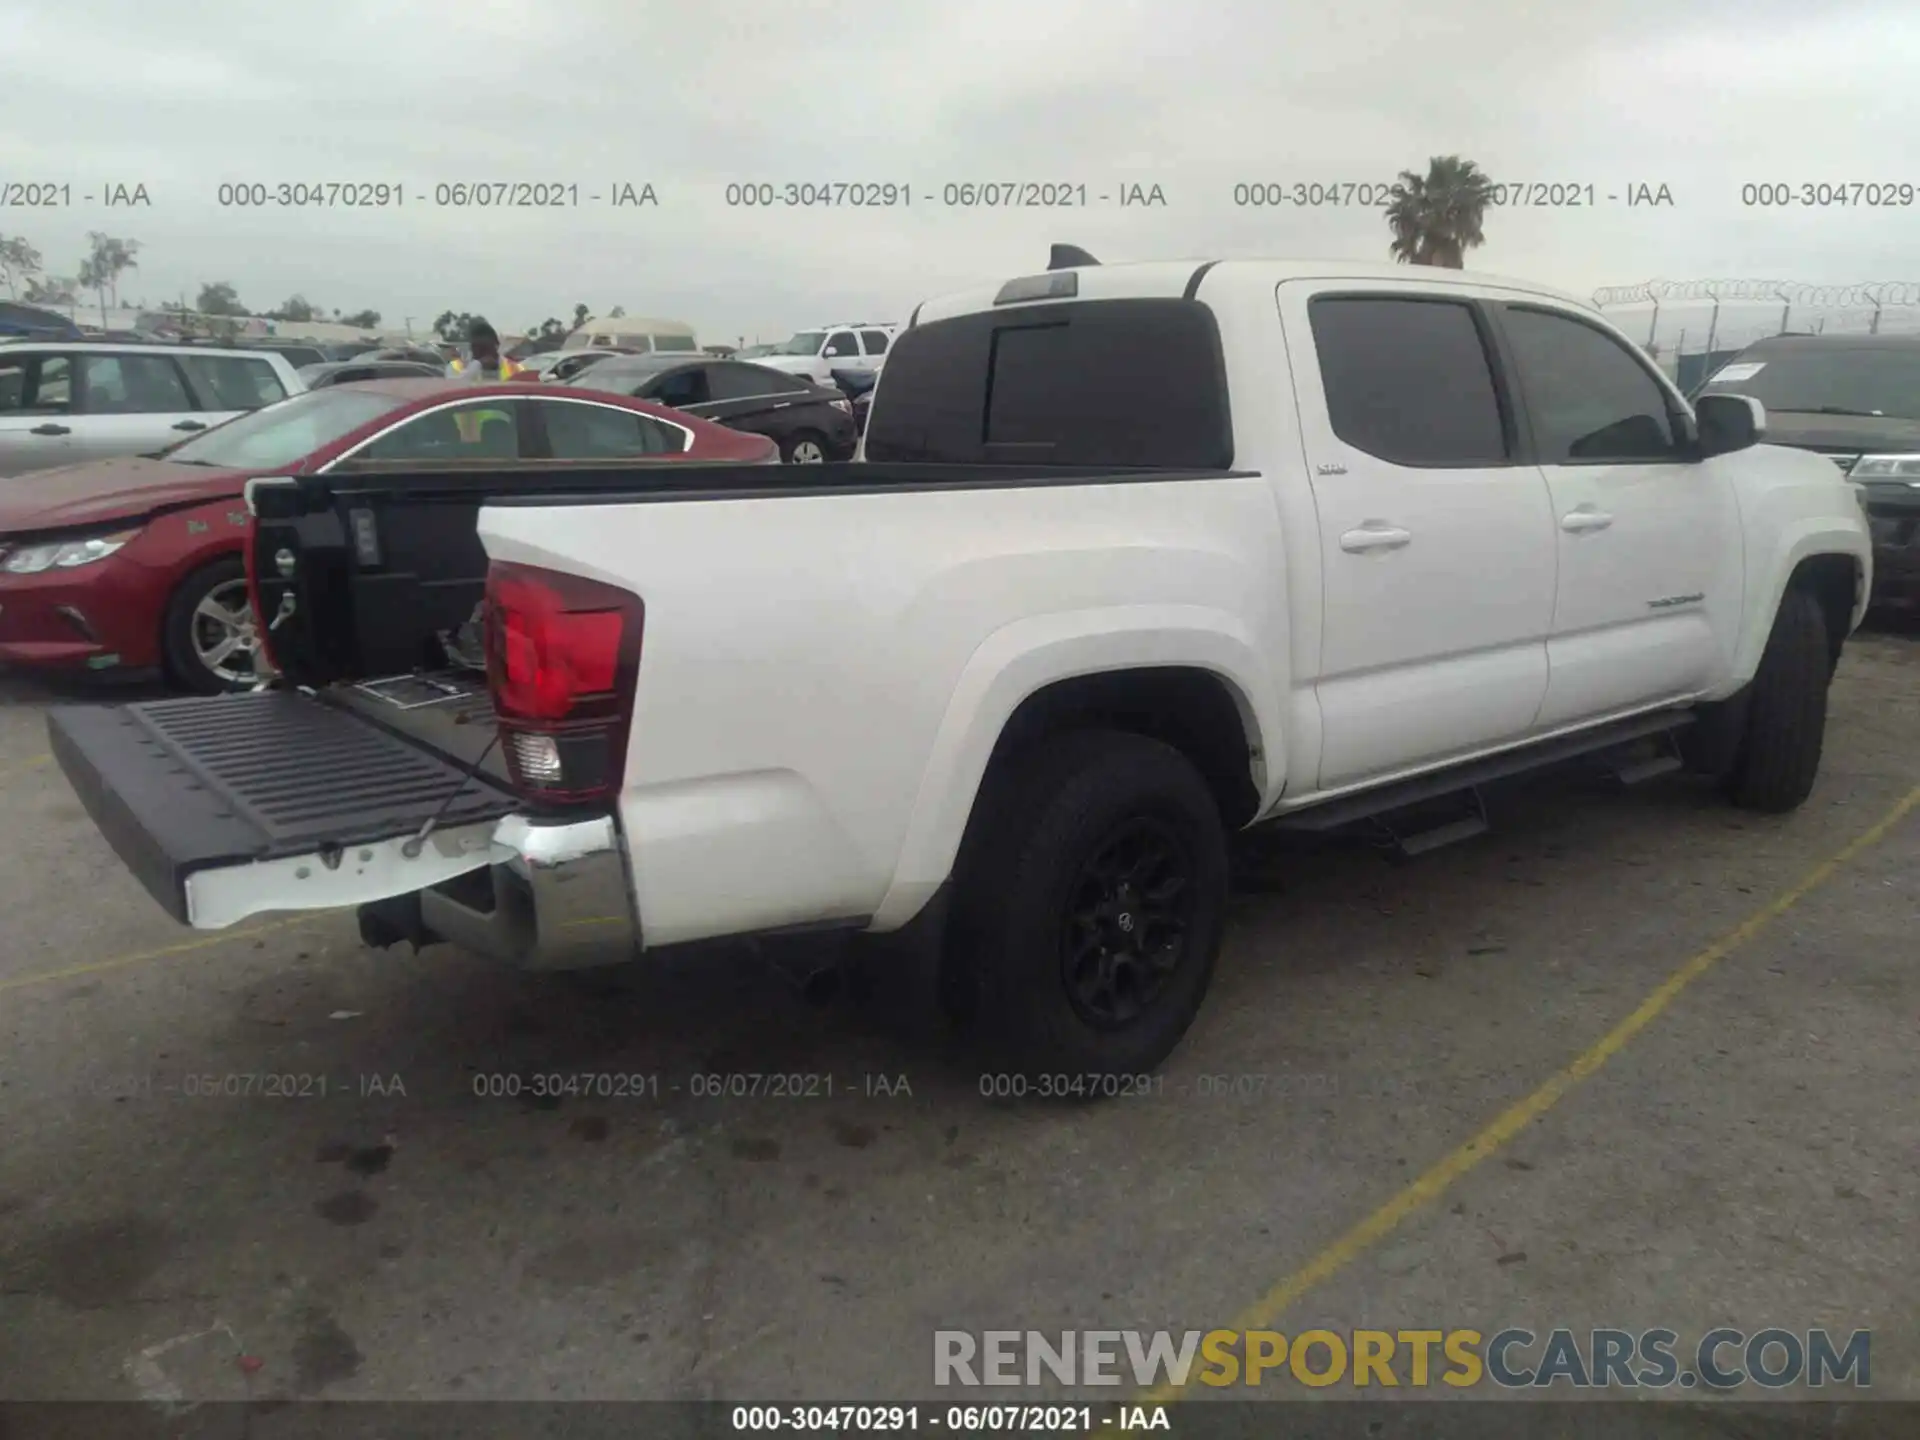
(411, 850)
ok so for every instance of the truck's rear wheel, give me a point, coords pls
(1786, 719)
(1090, 907)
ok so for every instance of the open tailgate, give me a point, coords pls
(231, 805)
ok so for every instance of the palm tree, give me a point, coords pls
(1436, 218)
(18, 261)
(102, 268)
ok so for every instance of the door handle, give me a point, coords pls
(190, 425)
(1375, 535)
(1585, 519)
(51, 429)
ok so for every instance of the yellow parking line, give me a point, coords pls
(1438, 1180)
(120, 962)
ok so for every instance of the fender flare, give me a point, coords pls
(1770, 576)
(1022, 658)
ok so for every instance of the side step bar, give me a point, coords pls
(1335, 814)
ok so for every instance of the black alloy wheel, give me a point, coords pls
(1128, 918)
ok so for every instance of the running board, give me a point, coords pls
(1333, 814)
(1435, 830)
(1648, 769)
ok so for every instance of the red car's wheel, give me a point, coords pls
(210, 639)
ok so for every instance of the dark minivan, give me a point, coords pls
(1855, 399)
(812, 424)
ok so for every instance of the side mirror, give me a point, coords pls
(1729, 423)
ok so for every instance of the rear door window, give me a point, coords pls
(1123, 383)
(580, 431)
(132, 385)
(752, 382)
(231, 382)
(1407, 380)
(682, 388)
(876, 341)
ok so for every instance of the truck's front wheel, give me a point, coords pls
(1091, 902)
(1786, 720)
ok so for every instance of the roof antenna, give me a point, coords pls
(1065, 257)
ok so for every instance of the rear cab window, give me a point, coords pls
(1124, 383)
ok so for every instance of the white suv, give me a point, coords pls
(63, 402)
(817, 353)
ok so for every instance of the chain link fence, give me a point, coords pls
(1692, 327)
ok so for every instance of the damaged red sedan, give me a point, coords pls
(137, 564)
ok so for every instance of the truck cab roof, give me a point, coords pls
(1175, 278)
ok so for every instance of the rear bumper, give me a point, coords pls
(555, 897)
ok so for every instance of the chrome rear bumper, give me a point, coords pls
(556, 897)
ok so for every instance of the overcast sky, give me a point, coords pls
(1193, 97)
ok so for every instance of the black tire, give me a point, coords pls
(1045, 823)
(802, 437)
(184, 666)
(1787, 713)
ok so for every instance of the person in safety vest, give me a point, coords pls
(486, 366)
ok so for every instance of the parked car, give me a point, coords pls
(817, 353)
(1856, 400)
(62, 402)
(1141, 555)
(574, 363)
(136, 564)
(539, 366)
(858, 385)
(34, 322)
(413, 354)
(812, 424)
(348, 372)
(298, 356)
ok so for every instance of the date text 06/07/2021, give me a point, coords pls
(1506, 195)
(324, 194)
(1061, 194)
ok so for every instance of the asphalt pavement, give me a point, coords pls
(1634, 1059)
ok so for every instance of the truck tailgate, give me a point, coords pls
(231, 805)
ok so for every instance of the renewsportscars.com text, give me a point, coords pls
(1721, 1359)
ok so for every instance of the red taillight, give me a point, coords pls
(563, 654)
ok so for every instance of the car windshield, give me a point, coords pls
(807, 342)
(1847, 380)
(289, 430)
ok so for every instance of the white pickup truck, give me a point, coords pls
(1137, 556)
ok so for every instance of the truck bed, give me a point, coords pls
(377, 564)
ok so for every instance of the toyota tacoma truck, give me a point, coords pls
(1137, 556)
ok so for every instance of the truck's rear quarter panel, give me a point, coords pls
(823, 676)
